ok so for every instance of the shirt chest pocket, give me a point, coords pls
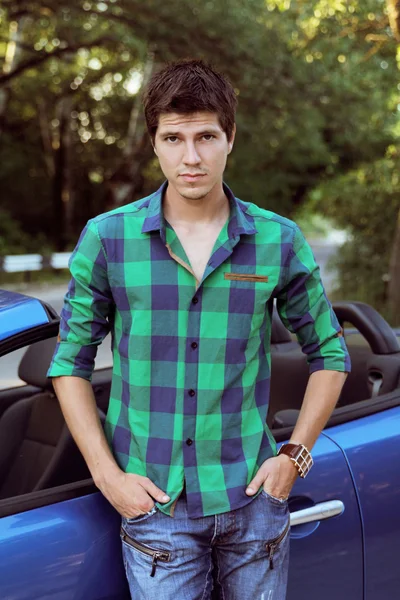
(249, 293)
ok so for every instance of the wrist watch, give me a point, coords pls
(300, 457)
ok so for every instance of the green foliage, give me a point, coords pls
(314, 225)
(312, 100)
(317, 83)
(365, 202)
(320, 106)
(13, 240)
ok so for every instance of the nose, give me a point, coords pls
(191, 156)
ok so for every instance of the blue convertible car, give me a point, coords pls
(59, 537)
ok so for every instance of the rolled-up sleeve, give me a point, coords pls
(87, 307)
(306, 311)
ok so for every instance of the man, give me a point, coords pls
(185, 280)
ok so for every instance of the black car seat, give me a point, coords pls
(37, 450)
(375, 362)
(290, 374)
(289, 370)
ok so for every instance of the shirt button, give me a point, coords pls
(195, 300)
(194, 345)
(189, 442)
(192, 393)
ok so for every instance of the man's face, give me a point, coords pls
(192, 150)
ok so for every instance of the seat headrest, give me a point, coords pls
(35, 363)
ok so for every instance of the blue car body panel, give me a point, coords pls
(326, 557)
(64, 551)
(72, 549)
(372, 447)
(19, 313)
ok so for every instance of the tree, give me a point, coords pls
(364, 202)
(394, 262)
(313, 98)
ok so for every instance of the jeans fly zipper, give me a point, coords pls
(157, 555)
(273, 544)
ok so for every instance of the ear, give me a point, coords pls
(231, 141)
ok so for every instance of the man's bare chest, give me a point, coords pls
(198, 245)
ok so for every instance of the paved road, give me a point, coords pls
(53, 295)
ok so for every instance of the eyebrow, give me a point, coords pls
(210, 131)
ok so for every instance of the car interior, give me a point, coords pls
(41, 464)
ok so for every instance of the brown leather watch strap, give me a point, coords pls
(291, 450)
(300, 456)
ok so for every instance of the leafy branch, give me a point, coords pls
(58, 53)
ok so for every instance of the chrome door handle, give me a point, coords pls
(319, 512)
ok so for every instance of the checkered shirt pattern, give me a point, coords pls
(191, 360)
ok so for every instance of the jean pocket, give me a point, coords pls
(154, 555)
(272, 546)
(274, 500)
(140, 518)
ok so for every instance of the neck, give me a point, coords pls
(212, 208)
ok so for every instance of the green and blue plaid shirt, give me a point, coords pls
(191, 360)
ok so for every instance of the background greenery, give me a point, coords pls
(318, 119)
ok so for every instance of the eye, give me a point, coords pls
(172, 139)
(208, 137)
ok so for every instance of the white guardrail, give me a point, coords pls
(59, 260)
(34, 262)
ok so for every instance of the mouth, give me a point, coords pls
(190, 178)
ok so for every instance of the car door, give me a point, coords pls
(326, 542)
(71, 549)
(60, 543)
(66, 550)
(372, 448)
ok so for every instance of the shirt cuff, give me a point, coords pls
(331, 356)
(73, 359)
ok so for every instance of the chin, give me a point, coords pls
(194, 193)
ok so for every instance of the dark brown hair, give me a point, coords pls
(189, 86)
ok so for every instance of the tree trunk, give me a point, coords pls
(12, 56)
(62, 202)
(125, 181)
(45, 134)
(394, 281)
(394, 265)
(393, 7)
(136, 120)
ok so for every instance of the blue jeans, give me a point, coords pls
(242, 554)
